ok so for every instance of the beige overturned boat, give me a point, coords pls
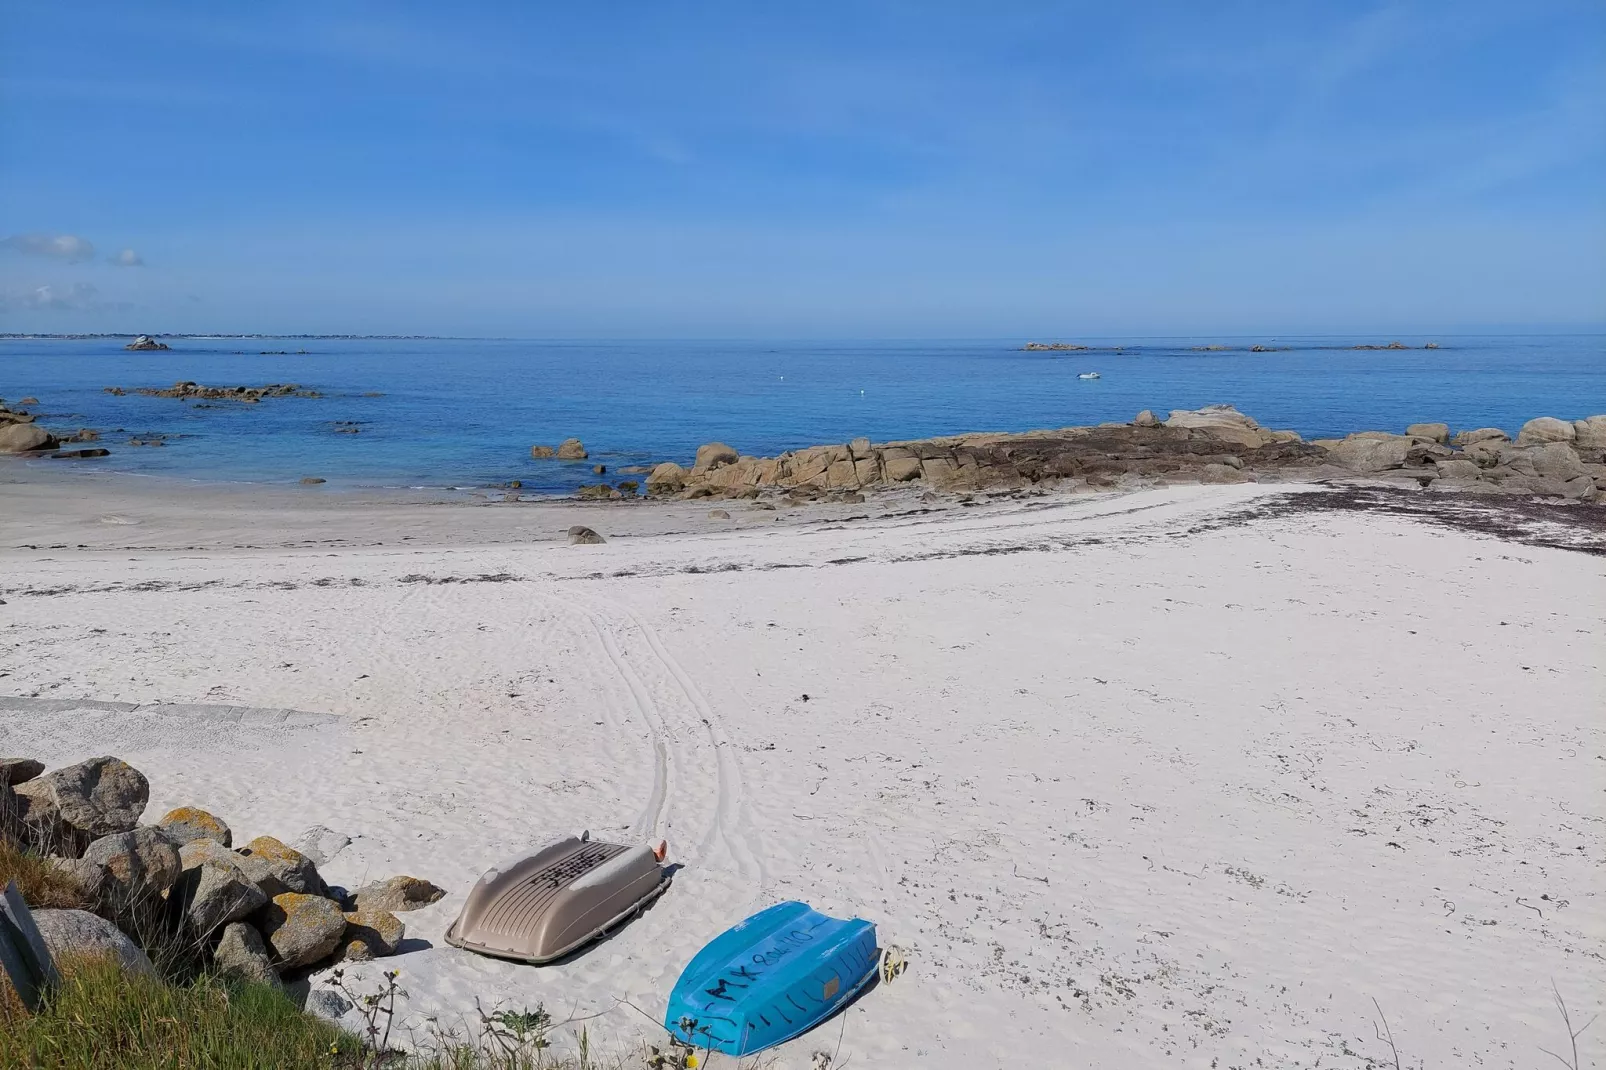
(549, 904)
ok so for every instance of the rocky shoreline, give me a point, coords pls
(1549, 458)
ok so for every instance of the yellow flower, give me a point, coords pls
(692, 1062)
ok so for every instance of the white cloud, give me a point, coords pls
(128, 258)
(79, 296)
(68, 247)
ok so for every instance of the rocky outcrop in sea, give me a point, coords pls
(1549, 458)
(193, 391)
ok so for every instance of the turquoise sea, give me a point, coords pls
(464, 413)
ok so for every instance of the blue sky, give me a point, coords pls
(914, 169)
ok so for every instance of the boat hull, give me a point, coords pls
(547, 905)
(773, 977)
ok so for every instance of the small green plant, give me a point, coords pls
(378, 1010)
(514, 1035)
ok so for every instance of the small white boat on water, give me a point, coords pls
(1089, 375)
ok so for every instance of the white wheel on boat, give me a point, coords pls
(893, 962)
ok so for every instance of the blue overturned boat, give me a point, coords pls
(773, 977)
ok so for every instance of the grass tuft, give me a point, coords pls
(41, 884)
(101, 1018)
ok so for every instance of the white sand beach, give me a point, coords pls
(1169, 778)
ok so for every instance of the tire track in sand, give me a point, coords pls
(650, 820)
(733, 824)
(704, 796)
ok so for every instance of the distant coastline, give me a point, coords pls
(27, 335)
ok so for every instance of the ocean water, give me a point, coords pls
(464, 413)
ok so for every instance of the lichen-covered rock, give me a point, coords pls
(1590, 433)
(24, 438)
(301, 929)
(712, 455)
(97, 797)
(1369, 454)
(1556, 460)
(1481, 434)
(19, 770)
(1582, 488)
(242, 955)
(213, 888)
(396, 894)
(1222, 473)
(666, 478)
(1543, 429)
(189, 823)
(321, 844)
(570, 449)
(143, 863)
(370, 934)
(79, 934)
(1439, 433)
(1458, 469)
(901, 469)
(1221, 422)
(276, 867)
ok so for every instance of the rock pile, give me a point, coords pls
(19, 433)
(260, 911)
(145, 341)
(251, 395)
(1216, 444)
(1550, 458)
